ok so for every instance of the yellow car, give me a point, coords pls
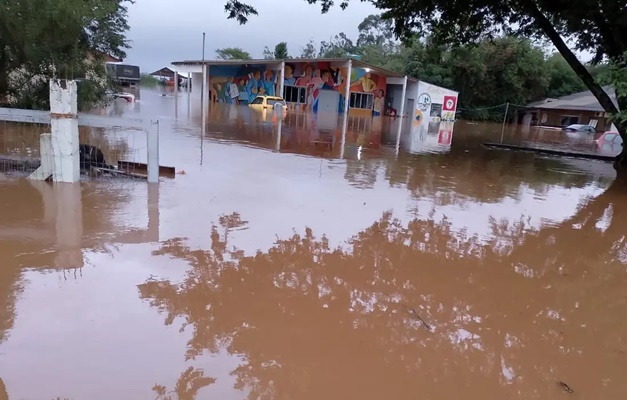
(268, 102)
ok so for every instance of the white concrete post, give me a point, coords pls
(343, 139)
(399, 118)
(347, 98)
(64, 125)
(152, 137)
(203, 89)
(196, 81)
(208, 83)
(347, 91)
(176, 81)
(282, 80)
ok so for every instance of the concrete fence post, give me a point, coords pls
(64, 126)
(153, 152)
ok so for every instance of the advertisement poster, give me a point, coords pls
(436, 110)
(445, 136)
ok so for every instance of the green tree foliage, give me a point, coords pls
(41, 39)
(338, 46)
(267, 53)
(562, 79)
(232, 53)
(280, 51)
(309, 51)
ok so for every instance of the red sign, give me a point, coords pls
(450, 103)
(445, 136)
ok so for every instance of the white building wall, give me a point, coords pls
(196, 81)
(433, 115)
(435, 102)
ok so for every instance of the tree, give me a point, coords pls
(599, 26)
(84, 32)
(280, 51)
(232, 53)
(375, 31)
(309, 51)
(339, 45)
(562, 79)
(267, 53)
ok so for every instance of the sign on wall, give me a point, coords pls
(444, 136)
(450, 103)
(424, 101)
(436, 110)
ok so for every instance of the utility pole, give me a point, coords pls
(202, 86)
(202, 101)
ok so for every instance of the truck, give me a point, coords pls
(123, 74)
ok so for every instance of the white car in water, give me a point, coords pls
(580, 128)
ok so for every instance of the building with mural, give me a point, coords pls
(323, 85)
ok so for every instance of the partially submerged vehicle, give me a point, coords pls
(264, 102)
(580, 128)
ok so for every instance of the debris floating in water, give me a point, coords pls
(421, 320)
(566, 388)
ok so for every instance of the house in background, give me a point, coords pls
(577, 108)
(167, 75)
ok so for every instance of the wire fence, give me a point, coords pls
(109, 147)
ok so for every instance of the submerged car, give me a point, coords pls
(580, 128)
(268, 102)
(609, 139)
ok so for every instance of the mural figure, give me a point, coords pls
(379, 102)
(289, 79)
(268, 83)
(254, 84)
(231, 91)
(243, 93)
(367, 84)
(307, 77)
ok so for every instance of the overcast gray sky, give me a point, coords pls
(163, 31)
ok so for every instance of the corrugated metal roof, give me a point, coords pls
(582, 101)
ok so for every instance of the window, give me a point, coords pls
(567, 120)
(610, 137)
(258, 100)
(295, 94)
(273, 102)
(361, 100)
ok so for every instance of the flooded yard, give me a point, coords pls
(291, 260)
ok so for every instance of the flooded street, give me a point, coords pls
(288, 260)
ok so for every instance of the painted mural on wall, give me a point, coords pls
(313, 77)
(241, 83)
(303, 82)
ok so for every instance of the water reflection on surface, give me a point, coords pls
(302, 260)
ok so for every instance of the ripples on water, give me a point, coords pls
(290, 266)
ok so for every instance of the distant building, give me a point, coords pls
(167, 76)
(577, 108)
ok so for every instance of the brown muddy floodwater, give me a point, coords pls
(300, 263)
